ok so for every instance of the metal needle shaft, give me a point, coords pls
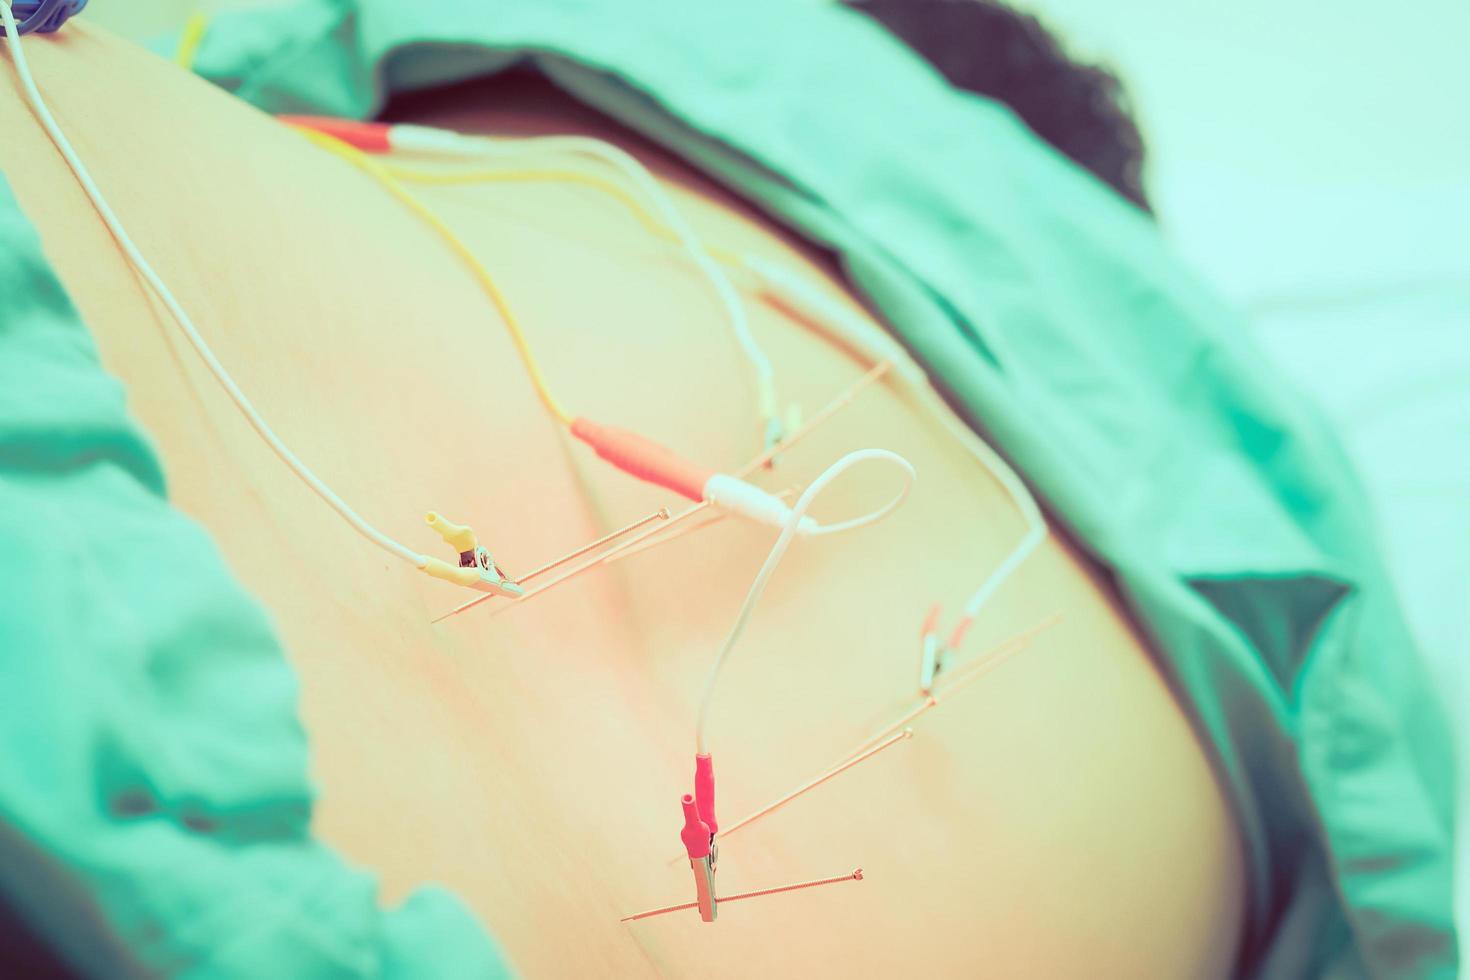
(591, 563)
(660, 539)
(855, 875)
(612, 554)
(984, 664)
(898, 730)
(810, 785)
(662, 514)
(830, 409)
(621, 551)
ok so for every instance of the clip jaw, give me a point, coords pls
(698, 836)
(776, 432)
(700, 846)
(934, 652)
(476, 569)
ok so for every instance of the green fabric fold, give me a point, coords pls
(154, 801)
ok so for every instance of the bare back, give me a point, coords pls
(1056, 819)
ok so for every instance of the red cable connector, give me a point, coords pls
(369, 137)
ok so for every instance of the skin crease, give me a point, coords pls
(1056, 819)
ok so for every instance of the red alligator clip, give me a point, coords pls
(698, 835)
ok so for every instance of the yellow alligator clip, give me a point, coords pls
(476, 569)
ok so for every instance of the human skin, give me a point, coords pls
(1056, 819)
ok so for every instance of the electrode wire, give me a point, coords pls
(787, 290)
(662, 514)
(855, 875)
(482, 276)
(643, 541)
(634, 171)
(778, 551)
(899, 730)
(673, 226)
(1035, 522)
(869, 339)
(787, 287)
(1002, 473)
(412, 174)
(845, 398)
(190, 39)
(984, 664)
(142, 266)
(839, 402)
(796, 295)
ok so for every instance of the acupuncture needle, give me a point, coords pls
(984, 664)
(836, 405)
(612, 554)
(842, 400)
(631, 547)
(899, 730)
(661, 514)
(664, 535)
(839, 402)
(627, 549)
(855, 875)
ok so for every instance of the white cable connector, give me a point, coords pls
(750, 501)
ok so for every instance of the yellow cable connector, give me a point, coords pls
(476, 568)
(457, 536)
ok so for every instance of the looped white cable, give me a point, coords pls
(778, 551)
(800, 295)
(872, 517)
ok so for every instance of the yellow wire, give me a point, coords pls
(645, 216)
(482, 275)
(191, 38)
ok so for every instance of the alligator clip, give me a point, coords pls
(476, 569)
(698, 836)
(933, 652)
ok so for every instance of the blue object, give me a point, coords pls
(43, 16)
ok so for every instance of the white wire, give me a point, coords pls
(787, 287)
(841, 527)
(1036, 528)
(778, 551)
(629, 167)
(144, 269)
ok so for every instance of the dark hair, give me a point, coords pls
(991, 50)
